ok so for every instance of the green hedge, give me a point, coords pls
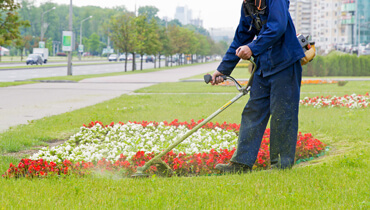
(338, 65)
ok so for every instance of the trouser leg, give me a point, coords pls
(285, 93)
(255, 117)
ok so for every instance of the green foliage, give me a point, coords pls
(149, 11)
(94, 43)
(338, 65)
(10, 22)
(123, 33)
(153, 37)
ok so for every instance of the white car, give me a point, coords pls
(112, 57)
(365, 51)
(122, 57)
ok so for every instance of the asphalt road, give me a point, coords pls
(25, 74)
(24, 103)
(50, 63)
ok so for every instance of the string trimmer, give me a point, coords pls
(162, 167)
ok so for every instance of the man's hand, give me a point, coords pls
(244, 52)
(216, 79)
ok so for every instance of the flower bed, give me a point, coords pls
(304, 82)
(123, 147)
(350, 101)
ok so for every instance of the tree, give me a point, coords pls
(94, 43)
(204, 47)
(123, 34)
(173, 34)
(149, 11)
(147, 37)
(164, 41)
(10, 22)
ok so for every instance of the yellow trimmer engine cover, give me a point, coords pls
(310, 54)
(308, 47)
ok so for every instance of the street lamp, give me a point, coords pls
(81, 31)
(42, 23)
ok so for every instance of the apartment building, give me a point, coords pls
(300, 10)
(327, 28)
(356, 20)
(321, 19)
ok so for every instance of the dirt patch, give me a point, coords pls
(27, 153)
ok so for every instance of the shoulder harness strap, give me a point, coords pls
(254, 8)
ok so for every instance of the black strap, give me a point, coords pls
(254, 8)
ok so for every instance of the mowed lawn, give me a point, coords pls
(339, 180)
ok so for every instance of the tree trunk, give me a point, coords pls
(133, 62)
(126, 62)
(141, 62)
(155, 61)
(21, 54)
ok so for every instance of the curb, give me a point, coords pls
(48, 81)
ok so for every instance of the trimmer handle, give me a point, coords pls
(208, 78)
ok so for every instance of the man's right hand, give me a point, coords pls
(216, 79)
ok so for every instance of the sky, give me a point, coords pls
(214, 15)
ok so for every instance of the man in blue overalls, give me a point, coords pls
(275, 89)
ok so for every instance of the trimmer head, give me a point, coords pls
(162, 170)
(140, 173)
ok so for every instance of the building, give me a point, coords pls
(300, 10)
(183, 14)
(222, 34)
(327, 30)
(355, 17)
(197, 22)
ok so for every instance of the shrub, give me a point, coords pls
(338, 65)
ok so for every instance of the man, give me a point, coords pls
(275, 89)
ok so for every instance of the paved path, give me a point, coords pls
(19, 104)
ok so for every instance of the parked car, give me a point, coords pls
(149, 58)
(354, 50)
(112, 57)
(347, 48)
(34, 59)
(122, 57)
(129, 57)
(365, 51)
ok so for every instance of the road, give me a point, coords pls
(25, 74)
(24, 103)
(51, 63)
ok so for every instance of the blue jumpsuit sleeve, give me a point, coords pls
(276, 25)
(242, 37)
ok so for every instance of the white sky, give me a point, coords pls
(223, 14)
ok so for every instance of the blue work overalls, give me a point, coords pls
(275, 90)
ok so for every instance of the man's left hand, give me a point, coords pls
(244, 52)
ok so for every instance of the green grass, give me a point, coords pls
(77, 78)
(7, 84)
(238, 73)
(339, 184)
(339, 180)
(357, 87)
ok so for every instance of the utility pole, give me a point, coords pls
(80, 54)
(69, 72)
(42, 24)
